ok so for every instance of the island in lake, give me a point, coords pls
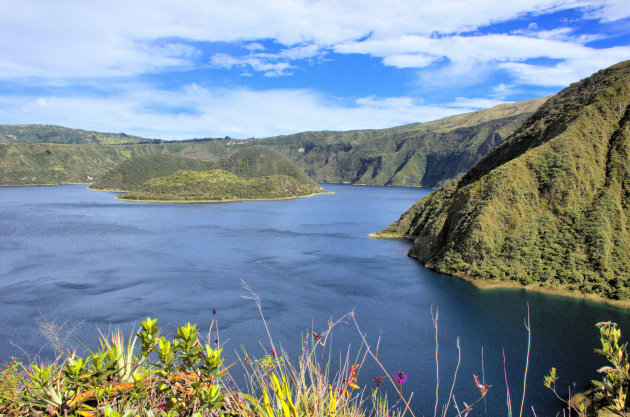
(253, 173)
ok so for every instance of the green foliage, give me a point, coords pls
(218, 185)
(187, 371)
(609, 394)
(616, 380)
(134, 172)
(173, 377)
(548, 206)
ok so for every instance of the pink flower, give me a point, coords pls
(400, 377)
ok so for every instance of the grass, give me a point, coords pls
(148, 374)
(185, 374)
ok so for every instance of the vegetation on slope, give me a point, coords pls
(218, 185)
(134, 172)
(59, 134)
(549, 206)
(50, 163)
(255, 172)
(412, 155)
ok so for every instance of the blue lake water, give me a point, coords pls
(82, 258)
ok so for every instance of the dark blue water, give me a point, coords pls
(79, 257)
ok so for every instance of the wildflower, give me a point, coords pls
(400, 377)
(378, 380)
(162, 405)
(352, 380)
(483, 388)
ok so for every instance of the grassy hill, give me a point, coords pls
(134, 172)
(59, 134)
(254, 172)
(412, 155)
(548, 206)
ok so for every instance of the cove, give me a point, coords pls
(83, 258)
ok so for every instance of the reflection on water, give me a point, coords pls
(76, 256)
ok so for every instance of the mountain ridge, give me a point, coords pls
(411, 155)
(549, 206)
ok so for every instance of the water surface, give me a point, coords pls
(82, 258)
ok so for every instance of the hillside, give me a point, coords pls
(548, 206)
(412, 155)
(136, 171)
(51, 163)
(417, 154)
(254, 172)
(59, 134)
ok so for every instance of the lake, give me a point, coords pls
(81, 259)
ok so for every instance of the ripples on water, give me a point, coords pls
(77, 256)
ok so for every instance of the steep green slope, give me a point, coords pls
(59, 134)
(548, 206)
(417, 154)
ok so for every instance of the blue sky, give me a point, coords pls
(258, 68)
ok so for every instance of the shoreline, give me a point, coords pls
(216, 201)
(39, 185)
(488, 285)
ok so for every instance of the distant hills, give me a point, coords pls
(548, 206)
(420, 154)
(59, 134)
(255, 172)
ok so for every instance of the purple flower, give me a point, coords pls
(400, 377)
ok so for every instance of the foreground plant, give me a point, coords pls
(168, 377)
(612, 391)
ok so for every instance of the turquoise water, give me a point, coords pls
(82, 258)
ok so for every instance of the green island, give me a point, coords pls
(548, 207)
(253, 173)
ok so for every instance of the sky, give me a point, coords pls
(260, 68)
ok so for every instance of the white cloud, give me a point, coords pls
(205, 112)
(257, 63)
(108, 38)
(475, 103)
(469, 57)
(64, 45)
(409, 60)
